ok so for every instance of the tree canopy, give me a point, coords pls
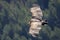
(15, 16)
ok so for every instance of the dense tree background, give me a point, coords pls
(15, 15)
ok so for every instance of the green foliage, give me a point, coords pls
(15, 15)
(52, 14)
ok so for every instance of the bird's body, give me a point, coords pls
(36, 20)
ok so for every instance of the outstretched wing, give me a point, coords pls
(35, 24)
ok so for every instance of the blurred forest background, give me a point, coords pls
(15, 15)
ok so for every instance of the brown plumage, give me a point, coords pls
(36, 21)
